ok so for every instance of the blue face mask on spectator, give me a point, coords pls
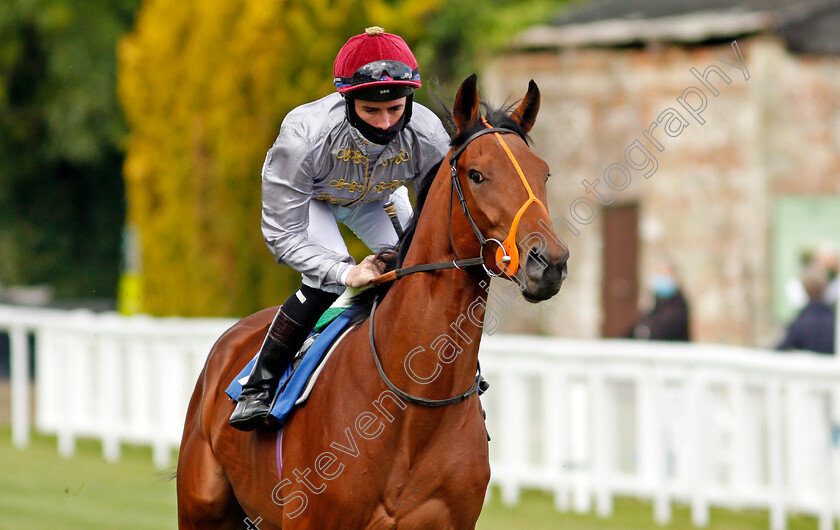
(664, 286)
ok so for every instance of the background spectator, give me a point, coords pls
(668, 319)
(813, 328)
(827, 259)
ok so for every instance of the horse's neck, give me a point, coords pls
(427, 334)
(433, 319)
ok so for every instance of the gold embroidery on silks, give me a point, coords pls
(352, 187)
(349, 154)
(401, 157)
(330, 199)
(382, 186)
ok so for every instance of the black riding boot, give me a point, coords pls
(284, 339)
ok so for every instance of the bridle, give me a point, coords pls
(507, 255)
(479, 384)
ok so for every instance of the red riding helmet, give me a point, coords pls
(378, 64)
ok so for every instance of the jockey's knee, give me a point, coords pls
(307, 304)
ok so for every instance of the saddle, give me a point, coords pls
(297, 381)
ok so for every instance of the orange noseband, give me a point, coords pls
(509, 247)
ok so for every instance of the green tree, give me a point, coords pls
(205, 86)
(463, 34)
(61, 192)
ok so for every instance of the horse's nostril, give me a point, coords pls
(537, 257)
(543, 267)
(538, 264)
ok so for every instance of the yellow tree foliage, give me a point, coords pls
(204, 86)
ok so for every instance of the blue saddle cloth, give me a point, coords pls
(294, 379)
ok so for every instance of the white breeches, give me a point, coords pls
(368, 221)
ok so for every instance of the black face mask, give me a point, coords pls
(375, 134)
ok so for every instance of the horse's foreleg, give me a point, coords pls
(205, 497)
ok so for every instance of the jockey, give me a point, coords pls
(336, 160)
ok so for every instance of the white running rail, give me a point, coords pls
(705, 425)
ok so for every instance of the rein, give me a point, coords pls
(510, 262)
(479, 384)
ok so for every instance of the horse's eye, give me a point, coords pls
(476, 177)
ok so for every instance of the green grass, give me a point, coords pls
(536, 511)
(40, 489)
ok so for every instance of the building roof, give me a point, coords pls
(807, 26)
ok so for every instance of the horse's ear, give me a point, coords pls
(466, 103)
(526, 113)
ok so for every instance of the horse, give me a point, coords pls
(393, 434)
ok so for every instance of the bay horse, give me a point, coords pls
(392, 436)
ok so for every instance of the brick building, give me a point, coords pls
(666, 139)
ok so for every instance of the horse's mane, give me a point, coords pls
(395, 256)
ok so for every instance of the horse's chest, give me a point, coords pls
(444, 491)
(436, 490)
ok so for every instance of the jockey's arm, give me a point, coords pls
(286, 192)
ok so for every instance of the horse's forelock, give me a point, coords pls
(497, 117)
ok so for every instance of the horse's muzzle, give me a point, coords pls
(543, 274)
